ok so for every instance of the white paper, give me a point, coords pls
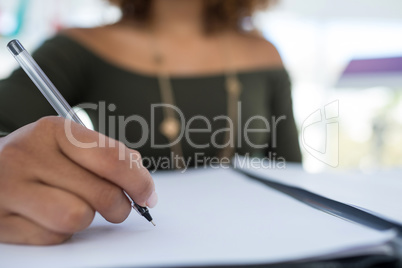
(379, 193)
(206, 217)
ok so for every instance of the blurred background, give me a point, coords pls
(344, 58)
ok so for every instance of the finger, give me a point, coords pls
(109, 159)
(15, 229)
(102, 195)
(52, 208)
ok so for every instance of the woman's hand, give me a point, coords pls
(50, 188)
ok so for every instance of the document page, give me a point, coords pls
(206, 217)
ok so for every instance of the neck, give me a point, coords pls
(177, 17)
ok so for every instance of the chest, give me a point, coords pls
(200, 102)
(206, 96)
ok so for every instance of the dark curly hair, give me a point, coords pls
(218, 14)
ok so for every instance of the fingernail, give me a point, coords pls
(152, 200)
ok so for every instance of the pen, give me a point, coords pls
(53, 96)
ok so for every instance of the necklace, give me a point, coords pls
(170, 126)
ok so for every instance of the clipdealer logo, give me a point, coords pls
(326, 119)
(242, 131)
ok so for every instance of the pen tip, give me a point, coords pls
(153, 223)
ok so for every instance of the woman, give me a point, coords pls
(176, 80)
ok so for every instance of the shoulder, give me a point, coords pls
(105, 36)
(106, 40)
(63, 46)
(89, 37)
(257, 52)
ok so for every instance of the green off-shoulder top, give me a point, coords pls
(126, 105)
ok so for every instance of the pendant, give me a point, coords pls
(233, 86)
(170, 128)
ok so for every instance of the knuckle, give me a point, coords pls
(47, 126)
(75, 218)
(47, 123)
